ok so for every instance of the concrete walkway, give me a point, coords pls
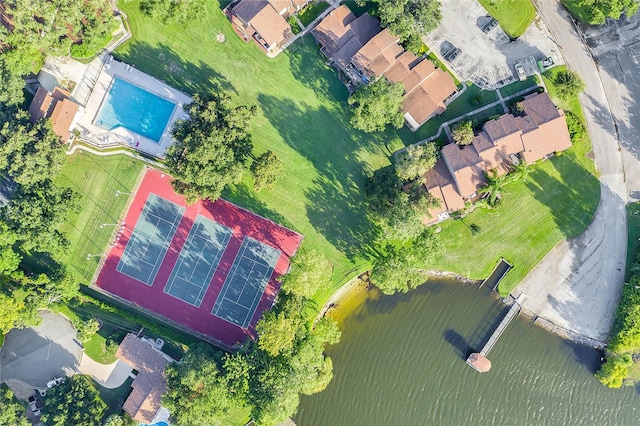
(577, 285)
(110, 376)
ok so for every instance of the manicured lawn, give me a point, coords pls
(557, 201)
(517, 86)
(96, 179)
(312, 11)
(303, 118)
(514, 16)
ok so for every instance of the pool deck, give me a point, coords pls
(102, 138)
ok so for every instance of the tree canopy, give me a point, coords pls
(415, 161)
(12, 412)
(397, 212)
(406, 18)
(402, 268)
(568, 84)
(266, 169)
(212, 146)
(462, 133)
(309, 272)
(600, 10)
(74, 402)
(377, 105)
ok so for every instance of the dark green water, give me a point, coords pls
(401, 362)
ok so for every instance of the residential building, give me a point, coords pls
(364, 53)
(150, 383)
(264, 21)
(57, 106)
(536, 134)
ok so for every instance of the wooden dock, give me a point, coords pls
(480, 357)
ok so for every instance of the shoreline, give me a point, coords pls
(361, 283)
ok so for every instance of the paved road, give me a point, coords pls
(38, 354)
(577, 285)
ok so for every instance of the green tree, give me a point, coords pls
(120, 420)
(198, 392)
(462, 133)
(399, 213)
(407, 17)
(211, 147)
(12, 412)
(377, 105)
(266, 169)
(88, 329)
(575, 126)
(74, 402)
(310, 271)
(402, 268)
(278, 329)
(496, 182)
(614, 371)
(10, 313)
(415, 161)
(29, 153)
(599, 10)
(568, 84)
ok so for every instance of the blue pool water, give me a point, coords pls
(136, 109)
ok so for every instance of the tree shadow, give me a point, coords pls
(244, 196)
(163, 62)
(458, 342)
(586, 356)
(486, 327)
(335, 202)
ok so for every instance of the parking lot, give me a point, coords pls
(485, 55)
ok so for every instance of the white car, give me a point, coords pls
(55, 382)
(520, 71)
(34, 405)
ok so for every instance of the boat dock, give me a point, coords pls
(478, 360)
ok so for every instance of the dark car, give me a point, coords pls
(489, 26)
(34, 404)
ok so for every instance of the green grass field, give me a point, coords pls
(578, 9)
(633, 235)
(514, 16)
(96, 179)
(517, 86)
(303, 118)
(557, 201)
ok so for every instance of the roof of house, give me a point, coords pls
(340, 28)
(549, 137)
(57, 106)
(378, 54)
(280, 6)
(441, 186)
(540, 108)
(466, 166)
(246, 10)
(272, 27)
(150, 384)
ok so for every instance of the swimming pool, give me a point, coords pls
(129, 106)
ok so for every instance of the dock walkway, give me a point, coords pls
(515, 308)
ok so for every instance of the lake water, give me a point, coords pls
(401, 362)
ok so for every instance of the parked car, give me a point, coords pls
(490, 26)
(34, 404)
(520, 71)
(54, 382)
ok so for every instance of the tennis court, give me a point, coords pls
(246, 282)
(198, 261)
(150, 239)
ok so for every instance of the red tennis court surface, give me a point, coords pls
(152, 296)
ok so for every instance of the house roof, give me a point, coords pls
(150, 384)
(57, 106)
(538, 106)
(466, 166)
(549, 137)
(378, 54)
(441, 186)
(479, 362)
(280, 6)
(272, 27)
(246, 10)
(341, 27)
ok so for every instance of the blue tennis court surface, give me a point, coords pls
(150, 239)
(246, 281)
(198, 261)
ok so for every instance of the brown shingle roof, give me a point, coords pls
(341, 27)
(56, 106)
(246, 10)
(538, 106)
(548, 138)
(150, 384)
(271, 26)
(466, 166)
(378, 54)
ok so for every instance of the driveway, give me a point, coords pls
(36, 355)
(488, 59)
(577, 285)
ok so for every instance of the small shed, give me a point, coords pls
(479, 362)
